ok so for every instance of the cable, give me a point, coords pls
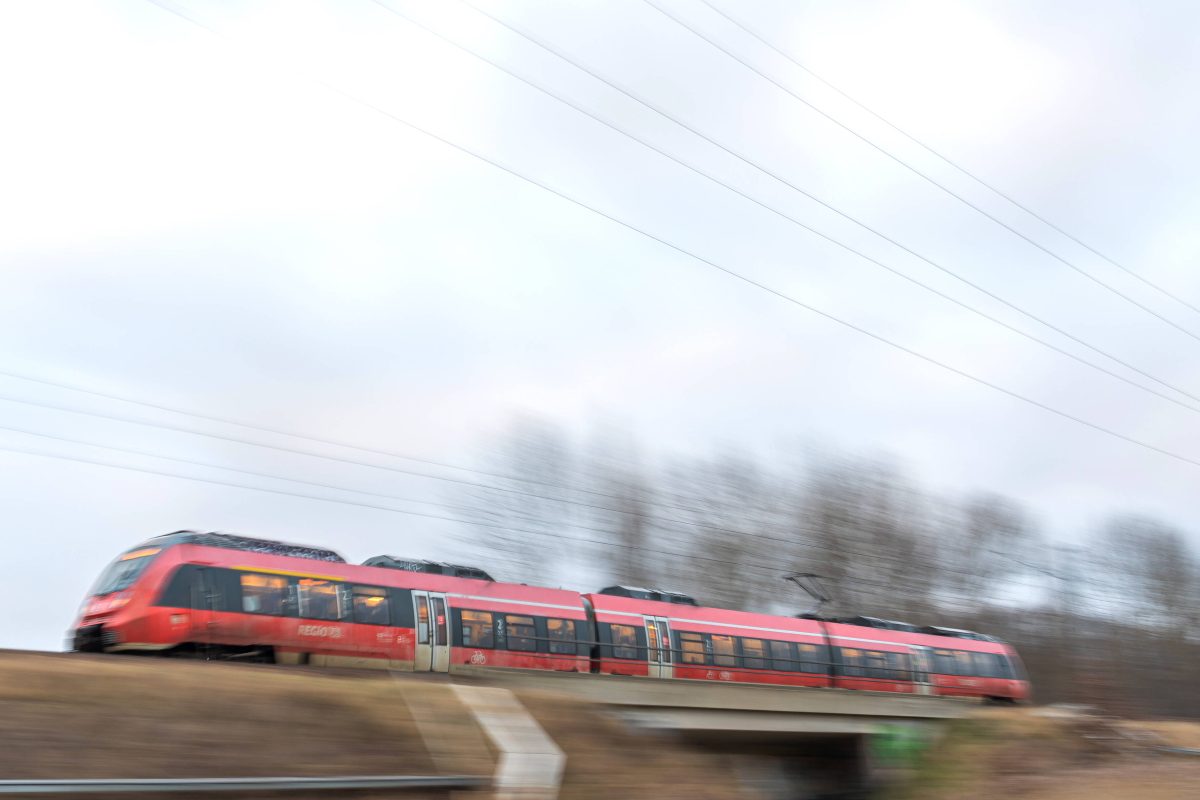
(629, 226)
(318, 440)
(812, 197)
(665, 522)
(770, 569)
(662, 521)
(921, 174)
(949, 161)
(750, 281)
(398, 470)
(878, 559)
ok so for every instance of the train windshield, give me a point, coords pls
(125, 570)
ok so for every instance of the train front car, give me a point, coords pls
(118, 613)
(165, 595)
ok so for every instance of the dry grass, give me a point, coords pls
(606, 761)
(76, 716)
(80, 716)
(1173, 734)
(1025, 753)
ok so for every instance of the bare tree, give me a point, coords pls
(532, 521)
(613, 471)
(871, 537)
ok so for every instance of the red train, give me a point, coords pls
(217, 595)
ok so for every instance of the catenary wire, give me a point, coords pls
(878, 559)
(770, 569)
(1114, 290)
(804, 226)
(330, 442)
(654, 503)
(411, 125)
(929, 149)
(651, 518)
(730, 272)
(384, 467)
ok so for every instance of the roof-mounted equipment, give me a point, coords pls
(957, 633)
(428, 567)
(231, 541)
(882, 624)
(659, 595)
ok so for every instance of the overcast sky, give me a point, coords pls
(198, 221)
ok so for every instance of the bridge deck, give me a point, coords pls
(704, 705)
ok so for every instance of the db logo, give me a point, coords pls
(725, 676)
(478, 658)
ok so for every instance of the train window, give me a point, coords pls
(898, 667)
(319, 599)
(782, 656)
(944, 662)
(522, 635)
(652, 640)
(442, 625)
(263, 594)
(754, 654)
(561, 633)
(724, 654)
(125, 570)
(624, 639)
(477, 629)
(876, 664)
(370, 605)
(1004, 667)
(422, 619)
(691, 647)
(852, 662)
(179, 591)
(981, 664)
(813, 658)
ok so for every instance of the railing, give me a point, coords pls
(241, 785)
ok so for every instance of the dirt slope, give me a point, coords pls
(1040, 754)
(76, 716)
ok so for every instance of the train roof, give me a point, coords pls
(883, 624)
(957, 633)
(232, 541)
(429, 567)
(657, 595)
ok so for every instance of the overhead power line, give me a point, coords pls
(737, 275)
(873, 558)
(754, 164)
(652, 518)
(929, 149)
(930, 179)
(383, 467)
(768, 568)
(308, 437)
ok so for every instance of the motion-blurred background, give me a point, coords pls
(223, 213)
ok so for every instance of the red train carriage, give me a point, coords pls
(221, 596)
(662, 634)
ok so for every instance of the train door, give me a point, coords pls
(433, 632)
(204, 604)
(922, 666)
(658, 647)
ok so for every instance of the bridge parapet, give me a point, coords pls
(670, 699)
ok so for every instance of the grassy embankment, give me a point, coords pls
(74, 716)
(1039, 754)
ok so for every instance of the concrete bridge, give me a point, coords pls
(805, 740)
